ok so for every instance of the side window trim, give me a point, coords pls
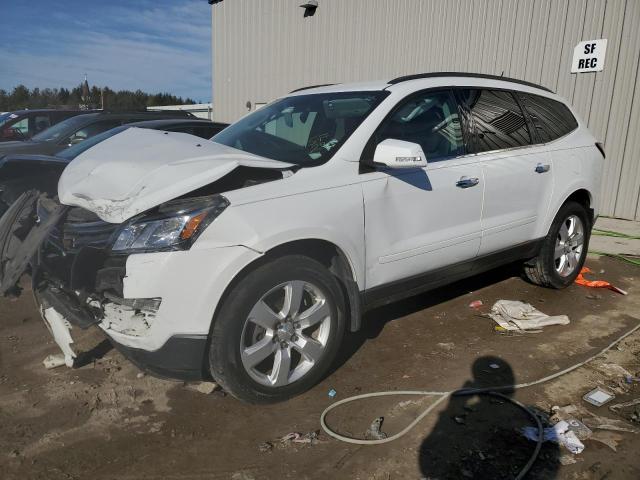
(464, 150)
(533, 134)
(466, 122)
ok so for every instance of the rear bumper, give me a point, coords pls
(182, 357)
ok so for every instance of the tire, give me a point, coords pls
(546, 269)
(238, 344)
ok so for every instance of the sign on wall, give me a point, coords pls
(588, 56)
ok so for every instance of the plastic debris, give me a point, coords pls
(610, 439)
(613, 369)
(295, 437)
(332, 393)
(54, 361)
(604, 423)
(560, 433)
(579, 428)
(514, 315)
(580, 280)
(598, 397)
(476, 304)
(375, 430)
(618, 406)
(495, 366)
(60, 328)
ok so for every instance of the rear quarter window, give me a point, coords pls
(496, 119)
(551, 119)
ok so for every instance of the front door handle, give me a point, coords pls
(540, 168)
(466, 182)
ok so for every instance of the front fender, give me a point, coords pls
(334, 216)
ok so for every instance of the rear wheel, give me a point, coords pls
(563, 250)
(278, 330)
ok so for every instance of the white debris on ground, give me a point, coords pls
(203, 387)
(515, 315)
(54, 361)
(560, 433)
(61, 331)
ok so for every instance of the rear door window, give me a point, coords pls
(496, 121)
(550, 118)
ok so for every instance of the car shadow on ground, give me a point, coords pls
(374, 321)
(478, 436)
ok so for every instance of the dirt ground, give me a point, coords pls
(104, 420)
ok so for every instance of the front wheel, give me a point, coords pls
(563, 250)
(278, 330)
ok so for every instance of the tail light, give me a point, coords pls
(601, 148)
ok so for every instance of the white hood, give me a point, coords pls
(140, 168)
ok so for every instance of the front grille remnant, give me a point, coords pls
(81, 229)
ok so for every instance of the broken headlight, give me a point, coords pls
(174, 225)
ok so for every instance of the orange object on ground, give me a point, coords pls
(580, 280)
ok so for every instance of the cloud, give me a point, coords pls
(149, 46)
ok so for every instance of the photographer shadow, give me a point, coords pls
(477, 436)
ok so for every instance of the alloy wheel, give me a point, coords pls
(569, 245)
(286, 333)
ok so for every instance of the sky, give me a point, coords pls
(151, 45)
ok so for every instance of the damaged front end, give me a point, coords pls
(76, 278)
(78, 263)
(109, 212)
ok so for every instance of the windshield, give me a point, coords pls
(72, 152)
(59, 130)
(303, 129)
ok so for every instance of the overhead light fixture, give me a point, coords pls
(309, 7)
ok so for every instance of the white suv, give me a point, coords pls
(246, 258)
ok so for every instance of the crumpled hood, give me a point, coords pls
(140, 168)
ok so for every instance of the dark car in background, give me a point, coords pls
(21, 171)
(23, 124)
(80, 128)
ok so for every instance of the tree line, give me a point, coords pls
(22, 97)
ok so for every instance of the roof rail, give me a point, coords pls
(312, 86)
(417, 76)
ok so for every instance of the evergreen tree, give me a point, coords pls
(22, 97)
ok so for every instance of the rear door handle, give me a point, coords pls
(540, 168)
(466, 182)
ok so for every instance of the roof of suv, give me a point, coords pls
(453, 77)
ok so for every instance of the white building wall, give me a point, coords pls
(263, 49)
(200, 110)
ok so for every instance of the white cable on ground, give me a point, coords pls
(445, 395)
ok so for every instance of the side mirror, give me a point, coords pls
(393, 153)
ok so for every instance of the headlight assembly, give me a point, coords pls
(172, 226)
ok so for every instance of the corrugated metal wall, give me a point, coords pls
(262, 49)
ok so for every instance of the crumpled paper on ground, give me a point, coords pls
(515, 315)
(559, 433)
